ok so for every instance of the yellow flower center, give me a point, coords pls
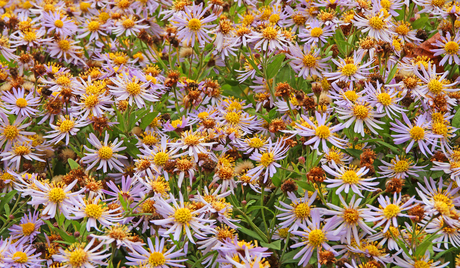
(442, 207)
(386, 4)
(274, 18)
(350, 177)
(322, 132)
(402, 29)
(316, 237)
(266, 159)
(21, 102)
(302, 211)
(376, 23)
(30, 36)
(270, 33)
(421, 264)
(194, 24)
(91, 101)
(401, 166)
(435, 86)
(440, 129)
(56, 195)
(66, 125)
(438, 3)
(157, 259)
(28, 228)
(20, 257)
(233, 118)
(59, 23)
(309, 61)
(316, 32)
(283, 233)
(361, 111)
(349, 69)
(183, 215)
(384, 98)
(299, 19)
(84, 6)
(78, 257)
(63, 80)
(255, 142)
(192, 140)
(391, 211)
(443, 198)
(10, 132)
(133, 88)
(417, 133)
(373, 250)
(128, 23)
(351, 95)
(351, 216)
(93, 26)
(21, 150)
(64, 45)
(93, 211)
(161, 158)
(105, 152)
(149, 140)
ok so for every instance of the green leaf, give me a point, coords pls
(73, 164)
(392, 148)
(354, 152)
(423, 247)
(392, 73)
(289, 257)
(259, 207)
(420, 23)
(7, 198)
(276, 180)
(274, 67)
(272, 114)
(456, 120)
(250, 233)
(276, 245)
(148, 119)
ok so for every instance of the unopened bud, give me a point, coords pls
(244, 202)
(301, 160)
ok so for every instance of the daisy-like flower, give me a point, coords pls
(307, 61)
(19, 104)
(418, 133)
(347, 178)
(31, 38)
(131, 88)
(13, 133)
(105, 153)
(65, 126)
(348, 218)
(267, 160)
(412, 261)
(376, 24)
(384, 100)
(179, 218)
(336, 156)
(268, 39)
(52, 196)
(400, 168)
(66, 48)
(360, 113)
(320, 131)
(62, 26)
(156, 256)
(315, 34)
(27, 228)
(297, 212)
(314, 237)
(5, 49)
(192, 25)
(120, 234)
(215, 238)
(82, 255)
(21, 255)
(449, 235)
(349, 69)
(404, 31)
(94, 210)
(93, 28)
(388, 212)
(129, 26)
(433, 83)
(18, 152)
(94, 104)
(191, 143)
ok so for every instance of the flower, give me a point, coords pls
(266, 160)
(376, 25)
(13, 133)
(347, 178)
(19, 152)
(191, 143)
(268, 39)
(128, 25)
(297, 213)
(315, 34)
(105, 153)
(349, 69)
(62, 26)
(82, 255)
(120, 234)
(359, 113)
(384, 100)
(19, 104)
(307, 61)
(424, 261)
(66, 48)
(65, 126)
(27, 228)
(94, 210)
(131, 88)
(21, 255)
(156, 256)
(400, 168)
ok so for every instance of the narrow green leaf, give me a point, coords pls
(73, 164)
(392, 73)
(274, 67)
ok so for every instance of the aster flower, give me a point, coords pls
(93, 28)
(21, 255)
(388, 212)
(106, 153)
(179, 218)
(412, 261)
(375, 24)
(156, 256)
(131, 88)
(335, 156)
(314, 237)
(347, 178)
(94, 105)
(18, 152)
(433, 83)
(27, 228)
(267, 160)
(120, 234)
(269, 39)
(65, 126)
(215, 238)
(307, 61)
(128, 25)
(5, 49)
(31, 38)
(360, 113)
(94, 210)
(130, 189)
(192, 25)
(62, 26)
(349, 69)
(82, 255)
(192, 143)
(400, 168)
(297, 212)
(384, 100)
(13, 133)
(316, 34)
(449, 235)
(20, 104)
(66, 48)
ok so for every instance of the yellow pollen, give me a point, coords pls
(93, 211)
(435, 86)
(316, 32)
(316, 237)
(59, 23)
(78, 257)
(93, 26)
(299, 19)
(440, 129)
(21, 150)
(322, 132)
(401, 166)
(270, 33)
(194, 24)
(149, 140)
(351, 95)
(120, 60)
(438, 3)
(105, 152)
(417, 133)
(161, 158)
(91, 101)
(192, 140)
(63, 81)
(376, 23)
(157, 259)
(421, 264)
(373, 250)
(56, 195)
(351, 216)
(232, 117)
(402, 29)
(21, 102)
(361, 111)
(20, 257)
(391, 211)
(183, 215)
(384, 98)
(30, 36)
(302, 211)
(309, 60)
(10, 132)
(66, 125)
(28, 228)
(274, 18)
(255, 142)
(133, 88)
(266, 159)
(386, 4)
(64, 45)
(128, 23)
(349, 69)
(442, 207)
(283, 233)
(350, 177)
